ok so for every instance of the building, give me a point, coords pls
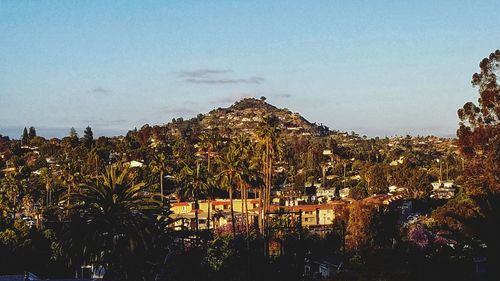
(184, 213)
(313, 215)
(325, 192)
(134, 163)
(443, 190)
(322, 267)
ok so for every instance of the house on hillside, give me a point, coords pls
(134, 163)
(443, 190)
(344, 192)
(322, 267)
(328, 192)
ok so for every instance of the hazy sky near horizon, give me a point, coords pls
(374, 67)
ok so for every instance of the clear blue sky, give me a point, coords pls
(375, 67)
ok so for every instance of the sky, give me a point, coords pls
(379, 68)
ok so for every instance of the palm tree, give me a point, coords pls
(231, 175)
(242, 146)
(268, 135)
(69, 178)
(46, 176)
(209, 143)
(160, 165)
(194, 185)
(112, 224)
(211, 190)
(10, 187)
(252, 180)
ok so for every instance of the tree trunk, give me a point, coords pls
(269, 187)
(47, 187)
(233, 223)
(246, 211)
(161, 185)
(242, 198)
(209, 169)
(69, 192)
(266, 187)
(247, 232)
(209, 166)
(196, 221)
(208, 212)
(260, 211)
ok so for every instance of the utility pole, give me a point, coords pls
(344, 172)
(447, 172)
(440, 171)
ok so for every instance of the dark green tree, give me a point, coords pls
(360, 191)
(377, 180)
(114, 224)
(419, 185)
(31, 133)
(195, 185)
(88, 138)
(25, 137)
(160, 164)
(231, 176)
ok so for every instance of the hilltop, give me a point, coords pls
(246, 114)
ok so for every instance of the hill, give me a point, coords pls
(246, 114)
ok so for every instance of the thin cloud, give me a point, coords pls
(216, 76)
(249, 80)
(203, 73)
(283, 96)
(100, 90)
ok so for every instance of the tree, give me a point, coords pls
(195, 184)
(377, 181)
(88, 138)
(231, 175)
(114, 225)
(69, 177)
(160, 165)
(210, 143)
(361, 227)
(46, 176)
(479, 143)
(72, 133)
(242, 146)
(419, 185)
(359, 192)
(31, 133)
(268, 135)
(10, 188)
(25, 137)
